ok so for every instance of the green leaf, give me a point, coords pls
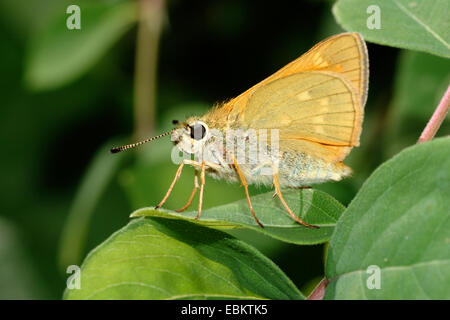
(411, 24)
(313, 206)
(58, 55)
(158, 258)
(400, 222)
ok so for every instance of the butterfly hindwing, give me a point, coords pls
(317, 110)
(316, 101)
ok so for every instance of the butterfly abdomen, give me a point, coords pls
(299, 169)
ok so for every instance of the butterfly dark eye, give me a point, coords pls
(198, 131)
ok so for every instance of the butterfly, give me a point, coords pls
(312, 109)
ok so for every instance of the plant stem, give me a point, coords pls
(149, 29)
(437, 118)
(319, 291)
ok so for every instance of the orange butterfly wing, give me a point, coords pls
(316, 112)
(345, 53)
(338, 63)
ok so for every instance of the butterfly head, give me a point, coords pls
(190, 136)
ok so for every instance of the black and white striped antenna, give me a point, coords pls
(129, 146)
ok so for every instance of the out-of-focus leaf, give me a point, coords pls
(157, 258)
(98, 176)
(58, 55)
(411, 24)
(399, 222)
(421, 80)
(22, 17)
(18, 279)
(313, 206)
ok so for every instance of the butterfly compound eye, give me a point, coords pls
(198, 131)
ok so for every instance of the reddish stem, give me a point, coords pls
(319, 291)
(437, 118)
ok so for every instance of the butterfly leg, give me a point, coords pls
(244, 183)
(194, 191)
(177, 176)
(278, 192)
(202, 185)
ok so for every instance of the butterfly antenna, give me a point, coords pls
(129, 146)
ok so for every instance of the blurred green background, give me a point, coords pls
(69, 95)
